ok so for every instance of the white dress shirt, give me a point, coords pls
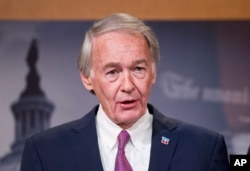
(137, 149)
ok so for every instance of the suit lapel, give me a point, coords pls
(83, 142)
(164, 142)
(161, 154)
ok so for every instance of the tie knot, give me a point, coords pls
(123, 139)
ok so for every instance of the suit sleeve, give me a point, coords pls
(30, 159)
(219, 161)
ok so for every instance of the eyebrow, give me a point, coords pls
(139, 62)
(110, 65)
(115, 64)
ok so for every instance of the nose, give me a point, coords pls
(127, 83)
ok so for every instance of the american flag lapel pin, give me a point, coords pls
(165, 140)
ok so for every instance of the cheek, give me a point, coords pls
(144, 87)
(105, 90)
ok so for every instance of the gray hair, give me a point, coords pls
(116, 22)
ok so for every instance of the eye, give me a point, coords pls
(112, 74)
(139, 71)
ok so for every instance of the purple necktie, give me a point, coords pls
(121, 162)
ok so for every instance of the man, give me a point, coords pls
(118, 64)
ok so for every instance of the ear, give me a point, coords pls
(87, 82)
(154, 75)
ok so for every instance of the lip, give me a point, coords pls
(127, 104)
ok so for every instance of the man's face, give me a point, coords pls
(122, 76)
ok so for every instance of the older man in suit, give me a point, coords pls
(118, 64)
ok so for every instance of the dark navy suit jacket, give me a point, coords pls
(74, 147)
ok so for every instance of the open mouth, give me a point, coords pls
(128, 103)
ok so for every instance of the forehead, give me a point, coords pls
(118, 42)
(119, 33)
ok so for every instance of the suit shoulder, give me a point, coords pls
(195, 130)
(162, 122)
(193, 134)
(185, 130)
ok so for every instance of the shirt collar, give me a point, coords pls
(140, 132)
(106, 129)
